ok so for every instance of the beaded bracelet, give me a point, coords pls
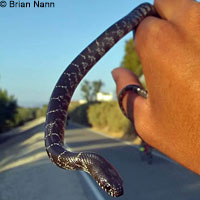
(134, 88)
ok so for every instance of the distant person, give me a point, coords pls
(169, 50)
(145, 152)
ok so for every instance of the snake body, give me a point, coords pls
(100, 169)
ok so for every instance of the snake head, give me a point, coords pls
(105, 175)
(113, 186)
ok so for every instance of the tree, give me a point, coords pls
(86, 90)
(97, 85)
(131, 60)
(90, 89)
(8, 109)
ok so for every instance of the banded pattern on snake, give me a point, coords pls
(100, 169)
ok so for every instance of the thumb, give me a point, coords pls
(135, 106)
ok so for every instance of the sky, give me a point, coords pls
(37, 44)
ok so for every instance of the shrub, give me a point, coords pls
(41, 111)
(103, 115)
(73, 105)
(79, 114)
(8, 107)
(108, 115)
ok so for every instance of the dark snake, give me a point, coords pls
(100, 169)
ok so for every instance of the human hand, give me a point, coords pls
(169, 49)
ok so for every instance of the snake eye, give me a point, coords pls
(107, 187)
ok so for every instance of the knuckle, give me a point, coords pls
(150, 35)
(189, 21)
(158, 3)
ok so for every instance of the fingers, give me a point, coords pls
(160, 43)
(185, 14)
(135, 106)
(171, 10)
(124, 77)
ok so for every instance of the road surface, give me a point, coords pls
(26, 172)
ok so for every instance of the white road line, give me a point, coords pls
(95, 191)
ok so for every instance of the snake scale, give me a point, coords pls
(100, 169)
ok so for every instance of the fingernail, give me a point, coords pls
(114, 75)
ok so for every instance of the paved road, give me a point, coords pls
(161, 180)
(26, 173)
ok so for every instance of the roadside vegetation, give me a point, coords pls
(12, 115)
(103, 116)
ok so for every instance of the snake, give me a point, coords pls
(103, 172)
